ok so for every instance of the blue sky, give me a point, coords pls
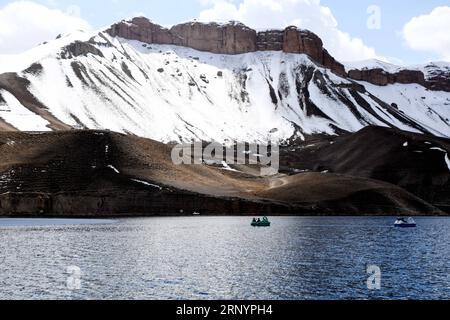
(388, 42)
(351, 16)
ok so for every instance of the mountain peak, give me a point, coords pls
(211, 81)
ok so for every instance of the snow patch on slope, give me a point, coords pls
(341, 115)
(147, 184)
(114, 169)
(447, 159)
(19, 62)
(14, 113)
(425, 107)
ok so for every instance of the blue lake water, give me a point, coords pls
(223, 258)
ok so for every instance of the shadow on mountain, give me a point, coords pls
(415, 162)
(99, 173)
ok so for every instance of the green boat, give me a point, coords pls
(261, 223)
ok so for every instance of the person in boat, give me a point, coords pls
(259, 220)
(254, 220)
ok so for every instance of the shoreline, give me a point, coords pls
(140, 216)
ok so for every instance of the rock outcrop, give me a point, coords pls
(79, 48)
(236, 38)
(437, 80)
(439, 83)
(382, 78)
(142, 29)
(270, 40)
(306, 42)
(302, 41)
(230, 38)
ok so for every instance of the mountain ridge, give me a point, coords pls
(130, 86)
(87, 123)
(236, 38)
(227, 38)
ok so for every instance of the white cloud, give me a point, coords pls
(24, 24)
(430, 32)
(307, 14)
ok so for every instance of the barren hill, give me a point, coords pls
(79, 173)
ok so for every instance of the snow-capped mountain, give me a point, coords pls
(142, 79)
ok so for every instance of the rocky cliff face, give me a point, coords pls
(303, 41)
(270, 40)
(231, 38)
(382, 78)
(142, 29)
(236, 38)
(438, 77)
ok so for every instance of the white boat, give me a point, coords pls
(196, 213)
(405, 223)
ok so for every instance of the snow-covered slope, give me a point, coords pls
(171, 93)
(372, 64)
(19, 62)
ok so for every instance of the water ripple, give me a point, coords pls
(224, 258)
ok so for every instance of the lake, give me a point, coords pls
(223, 258)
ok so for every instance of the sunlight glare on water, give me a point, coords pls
(223, 258)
